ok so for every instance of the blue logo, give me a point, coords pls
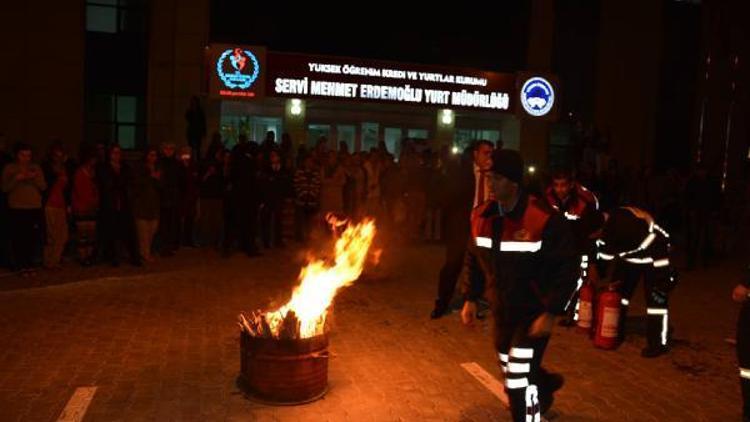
(537, 96)
(237, 68)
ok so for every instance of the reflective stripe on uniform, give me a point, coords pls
(660, 263)
(579, 283)
(519, 368)
(640, 261)
(604, 256)
(745, 373)
(571, 217)
(533, 413)
(664, 322)
(624, 302)
(515, 383)
(660, 230)
(520, 246)
(483, 242)
(522, 353)
(503, 357)
(644, 245)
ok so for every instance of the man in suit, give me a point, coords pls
(467, 188)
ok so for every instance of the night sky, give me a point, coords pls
(461, 37)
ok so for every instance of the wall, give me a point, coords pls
(179, 34)
(628, 77)
(41, 77)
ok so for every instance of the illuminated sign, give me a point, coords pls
(252, 73)
(236, 71)
(537, 96)
(293, 75)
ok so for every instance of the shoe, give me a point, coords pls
(438, 312)
(136, 263)
(115, 264)
(550, 382)
(545, 402)
(253, 253)
(654, 351)
(167, 254)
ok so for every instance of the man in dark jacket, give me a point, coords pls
(633, 246)
(466, 189)
(574, 202)
(276, 183)
(243, 198)
(117, 227)
(169, 221)
(527, 255)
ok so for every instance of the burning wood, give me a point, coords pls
(305, 314)
(257, 326)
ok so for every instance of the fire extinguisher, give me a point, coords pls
(585, 308)
(608, 311)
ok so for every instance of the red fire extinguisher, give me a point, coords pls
(608, 319)
(585, 308)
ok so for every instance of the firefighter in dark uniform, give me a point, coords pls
(632, 246)
(573, 201)
(527, 255)
(741, 294)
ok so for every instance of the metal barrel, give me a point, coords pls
(284, 371)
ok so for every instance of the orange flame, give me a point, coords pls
(320, 280)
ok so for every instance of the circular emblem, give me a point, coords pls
(537, 96)
(237, 68)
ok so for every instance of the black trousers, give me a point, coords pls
(25, 236)
(271, 219)
(117, 232)
(520, 358)
(242, 226)
(5, 250)
(657, 300)
(169, 230)
(304, 222)
(743, 356)
(455, 252)
(187, 228)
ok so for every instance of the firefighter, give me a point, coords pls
(527, 256)
(631, 245)
(571, 199)
(741, 294)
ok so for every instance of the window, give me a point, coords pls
(315, 132)
(418, 134)
(254, 127)
(393, 137)
(346, 134)
(115, 118)
(113, 16)
(464, 137)
(370, 136)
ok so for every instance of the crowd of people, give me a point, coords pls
(103, 208)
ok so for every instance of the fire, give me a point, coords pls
(320, 280)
